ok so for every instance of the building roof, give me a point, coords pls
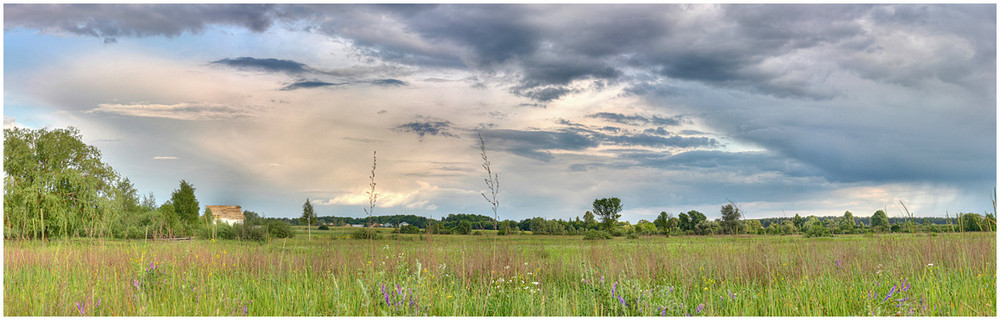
(227, 212)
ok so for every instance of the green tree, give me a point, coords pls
(588, 219)
(684, 222)
(672, 223)
(754, 227)
(54, 184)
(185, 204)
(788, 227)
(731, 219)
(464, 227)
(798, 221)
(880, 221)
(696, 217)
(608, 209)
(308, 217)
(847, 222)
(662, 221)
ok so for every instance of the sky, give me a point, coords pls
(781, 109)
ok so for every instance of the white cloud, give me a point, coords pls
(164, 158)
(415, 199)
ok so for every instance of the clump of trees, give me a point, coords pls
(57, 186)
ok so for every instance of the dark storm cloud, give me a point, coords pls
(135, 20)
(308, 84)
(636, 119)
(270, 65)
(389, 83)
(537, 144)
(427, 126)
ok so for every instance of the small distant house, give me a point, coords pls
(403, 224)
(227, 214)
(356, 225)
(387, 225)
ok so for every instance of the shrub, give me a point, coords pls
(279, 229)
(477, 233)
(617, 232)
(410, 229)
(323, 227)
(817, 230)
(596, 235)
(632, 235)
(249, 233)
(224, 231)
(365, 233)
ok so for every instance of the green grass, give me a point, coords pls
(519, 276)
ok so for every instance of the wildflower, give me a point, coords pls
(671, 289)
(385, 295)
(602, 279)
(731, 295)
(81, 308)
(930, 264)
(890, 293)
(244, 310)
(534, 283)
(838, 264)
(98, 303)
(699, 307)
(613, 288)
(622, 301)
(136, 283)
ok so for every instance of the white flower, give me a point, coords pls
(534, 283)
(930, 264)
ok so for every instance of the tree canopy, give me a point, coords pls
(608, 209)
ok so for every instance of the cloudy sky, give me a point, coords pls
(784, 109)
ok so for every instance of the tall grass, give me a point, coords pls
(950, 274)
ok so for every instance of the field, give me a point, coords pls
(526, 275)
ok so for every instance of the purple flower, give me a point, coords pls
(602, 279)
(907, 285)
(731, 295)
(699, 307)
(136, 283)
(838, 264)
(81, 308)
(671, 289)
(903, 299)
(385, 295)
(244, 310)
(622, 301)
(98, 303)
(613, 288)
(664, 312)
(890, 293)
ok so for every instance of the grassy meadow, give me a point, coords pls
(525, 275)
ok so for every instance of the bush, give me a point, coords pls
(249, 233)
(596, 235)
(410, 229)
(617, 232)
(323, 227)
(632, 235)
(817, 230)
(477, 233)
(279, 229)
(365, 233)
(224, 231)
